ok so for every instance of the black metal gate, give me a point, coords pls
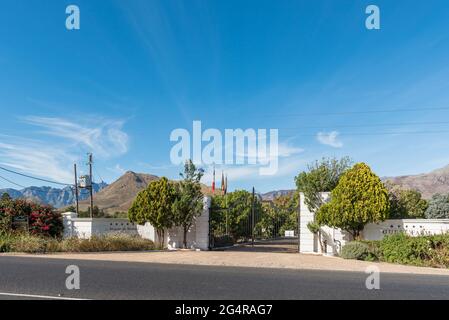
(249, 223)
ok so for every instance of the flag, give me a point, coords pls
(222, 183)
(213, 182)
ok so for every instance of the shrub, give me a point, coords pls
(430, 251)
(5, 242)
(28, 244)
(374, 252)
(438, 207)
(401, 248)
(355, 250)
(440, 251)
(43, 220)
(113, 242)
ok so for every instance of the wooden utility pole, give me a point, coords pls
(76, 189)
(91, 187)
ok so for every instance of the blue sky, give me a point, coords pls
(136, 70)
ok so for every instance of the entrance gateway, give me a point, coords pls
(243, 226)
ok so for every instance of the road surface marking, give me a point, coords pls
(36, 296)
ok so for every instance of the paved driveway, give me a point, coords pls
(284, 245)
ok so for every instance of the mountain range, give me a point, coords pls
(428, 184)
(53, 196)
(118, 196)
(270, 196)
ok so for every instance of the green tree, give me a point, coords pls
(406, 203)
(189, 198)
(320, 176)
(267, 225)
(278, 215)
(155, 205)
(438, 207)
(359, 198)
(70, 209)
(5, 198)
(287, 210)
(96, 213)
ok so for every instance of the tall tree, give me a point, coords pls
(320, 176)
(154, 205)
(359, 198)
(189, 198)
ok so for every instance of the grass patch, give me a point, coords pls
(35, 244)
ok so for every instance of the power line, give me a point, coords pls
(31, 177)
(369, 125)
(352, 112)
(12, 182)
(374, 133)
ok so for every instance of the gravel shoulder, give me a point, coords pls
(241, 259)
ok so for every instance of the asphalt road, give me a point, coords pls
(37, 278)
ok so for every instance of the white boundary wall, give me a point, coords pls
(336, 238)
(197, 237)
(413, 227)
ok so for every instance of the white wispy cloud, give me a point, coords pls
(52, 151)
(36, 158)
(329, 139)
(117, 169)
(287, 167)
(103, 136)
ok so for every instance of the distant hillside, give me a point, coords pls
(118, 196)
(53, 196)
(428, 184)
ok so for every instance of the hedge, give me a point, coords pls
(428, 251)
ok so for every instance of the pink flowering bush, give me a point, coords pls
(42, 219)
